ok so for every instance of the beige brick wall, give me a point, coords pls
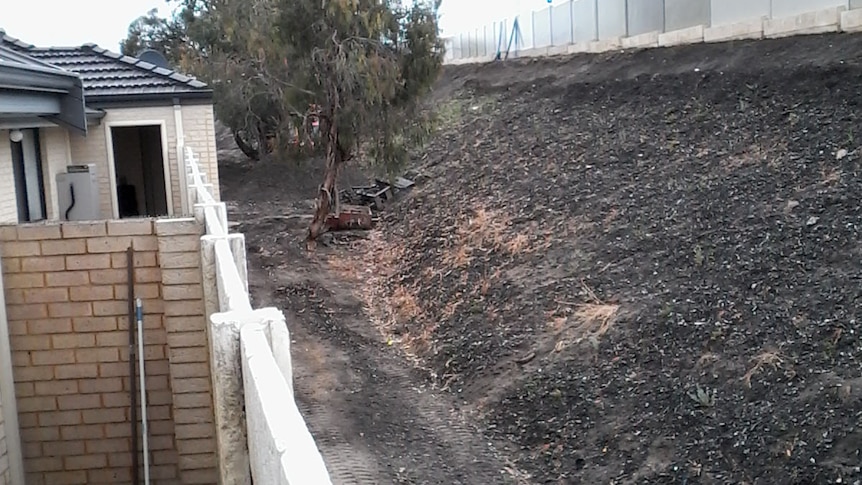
(199, 129)
(8, 204)
(55, 158)
(67, 309)
(94, 147)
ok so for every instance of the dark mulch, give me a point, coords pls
(710, 196)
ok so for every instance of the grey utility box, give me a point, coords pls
(78, 193)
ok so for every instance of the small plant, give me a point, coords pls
(703, 397)
(698, 256)
(666, 310)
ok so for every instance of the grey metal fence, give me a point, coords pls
(577, 21)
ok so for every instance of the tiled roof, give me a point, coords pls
(106, 74)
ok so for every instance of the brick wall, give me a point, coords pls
(198, 129)
(67, 310)
(55, 158)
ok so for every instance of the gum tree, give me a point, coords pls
(362, 66)
(359, 67)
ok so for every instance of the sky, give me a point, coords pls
(105, 22)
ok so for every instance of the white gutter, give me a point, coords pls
(181, 158)
(7, 396)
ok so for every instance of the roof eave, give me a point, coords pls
(66, 85)
(99, 100)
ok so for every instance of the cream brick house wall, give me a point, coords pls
(199, 129)
(65, 288)
(94, 148)
(60, 148)
(8, 207)
(55, 157)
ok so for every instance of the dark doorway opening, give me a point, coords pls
(140, 171)
(29, 179)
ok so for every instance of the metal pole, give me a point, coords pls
(142, 375)
(572, 21)
(133, 412)
(551, 23)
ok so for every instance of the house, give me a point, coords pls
(120, 120)
(94, 199)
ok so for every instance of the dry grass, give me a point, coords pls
(588, 323)
(706, 359)
(405, 305)
(518, 244)
(597, 318)
(487, 229)
(830, 176)
(768, 358)
(756, 154)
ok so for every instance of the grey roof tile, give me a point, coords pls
(105, 73)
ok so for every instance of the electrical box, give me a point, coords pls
(78, 193)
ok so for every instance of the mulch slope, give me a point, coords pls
(642, 270)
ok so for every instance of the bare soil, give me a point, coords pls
(374, 418)
(638, 267)
(643, 267)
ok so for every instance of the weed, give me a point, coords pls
(764, 359)
(698, 256)
(703, 397)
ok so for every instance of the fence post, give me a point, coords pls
(533, 27)
(229, 399)
(626, 10)
(279, 337)
(572, 21)
(664, 15)
(237, 248)
(208, 274)
(596, 35)
(551, 23)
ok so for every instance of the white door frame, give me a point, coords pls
(112, 171)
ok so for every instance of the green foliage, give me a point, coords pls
(360, 67)
(153, 32)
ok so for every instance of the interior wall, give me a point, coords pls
(154, 169)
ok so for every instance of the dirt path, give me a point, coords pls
(373, 418)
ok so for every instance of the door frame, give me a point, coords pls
(112, 171)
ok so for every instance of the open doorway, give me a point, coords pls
(29, 179)
(139, 168)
